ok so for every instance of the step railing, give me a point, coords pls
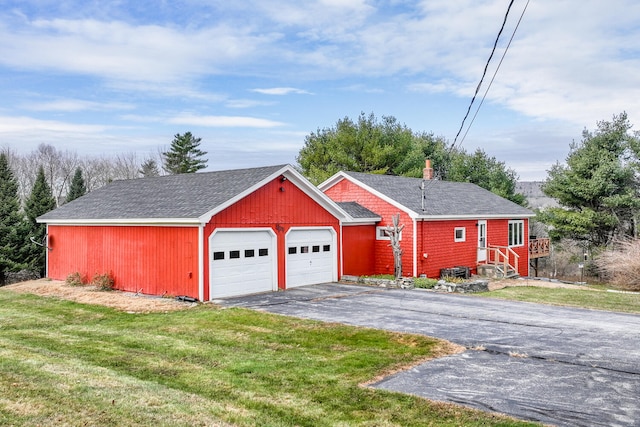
(503, 258)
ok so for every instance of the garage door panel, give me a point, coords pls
(310, 257)
(242, 262)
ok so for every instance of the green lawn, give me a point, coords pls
(63, 363)
(595, 299)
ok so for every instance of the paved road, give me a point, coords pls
(556, 365)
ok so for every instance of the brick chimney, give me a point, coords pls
(427, 172)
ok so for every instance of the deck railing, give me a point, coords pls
(539, 247)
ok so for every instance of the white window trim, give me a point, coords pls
(464, 234)
(381, 235)
(515, 233)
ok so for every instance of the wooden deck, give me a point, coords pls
(539, 248)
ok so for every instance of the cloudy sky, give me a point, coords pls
(252, 78)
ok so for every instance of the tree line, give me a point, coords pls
(386, 146)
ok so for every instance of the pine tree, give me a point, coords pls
(597, 189)
(149, 168)
(13, 236)
(184, 156)
(40, 201)
(77, 188)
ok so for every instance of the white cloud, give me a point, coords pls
(246, 103)
(224, 121)
(10, 124)
(121, 51)
(282, 91)
(75, 105)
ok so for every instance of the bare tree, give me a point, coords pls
(394, 231)
(126, 166)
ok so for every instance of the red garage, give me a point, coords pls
(204, 235)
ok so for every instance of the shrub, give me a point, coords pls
(424, 282)
(74, 279)
(620, 265)
(103, 282)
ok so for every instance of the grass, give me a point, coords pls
(64, 363)
(596, 299)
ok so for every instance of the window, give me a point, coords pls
(263, 252)
(234, 254)
(304, 249)
(293, 250)
(249, 253)
(326, 248)
(516, 233)
(381, 234)
(218, 256)
(315, 249)
(459, 234)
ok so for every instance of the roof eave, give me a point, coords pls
(123, 221)
(473, 217)
(362, 221)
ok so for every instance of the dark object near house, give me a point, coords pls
(186, 299)
(461, 272)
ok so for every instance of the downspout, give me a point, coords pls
(201, 262)
(415, 247)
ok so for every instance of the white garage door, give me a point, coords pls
(311, 257)
(242, 262)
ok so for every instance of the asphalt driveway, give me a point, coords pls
(556, 365)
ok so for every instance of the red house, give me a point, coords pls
(447, 225)
(204, 235)
(226, 233)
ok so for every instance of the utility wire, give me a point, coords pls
(495, 44)
(495, 73)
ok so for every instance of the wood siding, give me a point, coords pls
(438, 242)
(346, 191)
(269, 206)
(358, 246)
(435, 239)
(149, 259)
(498, 235)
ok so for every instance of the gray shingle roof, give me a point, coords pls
(442, 198)
(357, 211)
(185, 196)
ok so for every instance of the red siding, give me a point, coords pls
(280, 210)
(498, 235)
(153, 260)
(442, 250)
(346, 191)
(358, 248)
(435, 238)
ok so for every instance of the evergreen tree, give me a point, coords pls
(40, 201)
(597, 189)
(13, 236)
(149, 168)
(184, 156)
(77, 188)
(387, 147)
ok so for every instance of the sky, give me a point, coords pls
(253, 78)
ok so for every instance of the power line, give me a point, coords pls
(495, 44)
(495, 73)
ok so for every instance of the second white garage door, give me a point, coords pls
(311, 257)
(242, 262)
